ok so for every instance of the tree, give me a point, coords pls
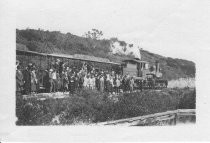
(94, 34)
(113, 39)
(130, 45)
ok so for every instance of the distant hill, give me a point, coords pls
(113, 49)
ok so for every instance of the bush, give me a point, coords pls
(89, 106)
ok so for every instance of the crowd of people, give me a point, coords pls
(62, 78)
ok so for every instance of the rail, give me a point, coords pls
(165, 118)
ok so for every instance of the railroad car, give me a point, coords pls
(137, 68)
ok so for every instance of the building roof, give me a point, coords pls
(61, 55)
(91, 58)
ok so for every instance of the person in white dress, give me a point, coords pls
(101, 84)
(85, 82)
(88, 82)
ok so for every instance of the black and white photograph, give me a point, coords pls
(106, 64)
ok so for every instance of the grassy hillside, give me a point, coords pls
(171, 68)
(56, 42)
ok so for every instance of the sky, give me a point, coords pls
(175, 28)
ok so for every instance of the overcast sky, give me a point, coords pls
(172, 28)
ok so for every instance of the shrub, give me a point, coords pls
(89, 106)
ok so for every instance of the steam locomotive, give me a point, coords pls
(144, 76)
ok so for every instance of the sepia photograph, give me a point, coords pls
(105, 64)
(64, 78)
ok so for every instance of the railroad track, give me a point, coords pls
(180, 116)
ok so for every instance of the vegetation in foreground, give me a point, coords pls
(91, 106)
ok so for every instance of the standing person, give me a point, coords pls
(54, 77)
(105, 83)
(61, 67)
(81, 80)
(33, 81)
(118, 85)
(85, 82)
(76, 82)
(19, 81)
(62, 81)
(27, 79)
(91, 85)
(115, 84)
(141, 84)
(88, 82)
(46, 81)
(102, 83)
(131, 84)
(127, 84)
(39, 78)
(68, 72)
(72, 84)
(56, 65)
(97, 82)
(92, 82)
(108, 84)
(65, 81)
(52, 84)
(124, 83)
(111, 84)
(59, 83)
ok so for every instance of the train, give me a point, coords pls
(139, 69)
(146, 75)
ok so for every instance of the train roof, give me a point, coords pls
(76, 57)
(135, 60)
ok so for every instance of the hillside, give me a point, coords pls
(113, 49)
